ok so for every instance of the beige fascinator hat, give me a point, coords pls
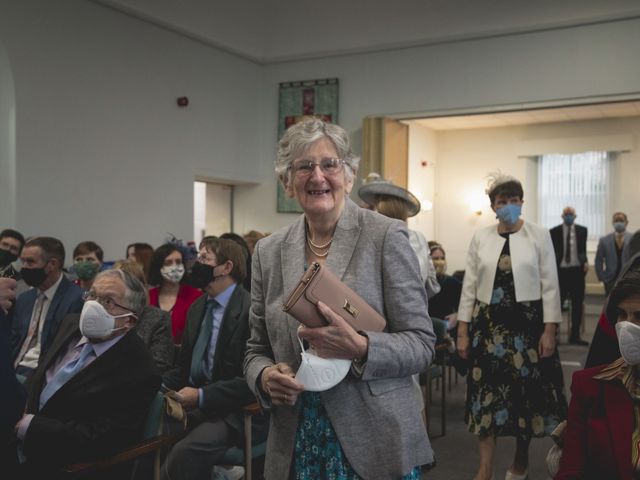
(375, 186)
(495, 179)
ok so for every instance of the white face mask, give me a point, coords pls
(173, 273)
(629, 340)
(96, 323)
(319, 374)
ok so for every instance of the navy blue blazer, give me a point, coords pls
(67, 299)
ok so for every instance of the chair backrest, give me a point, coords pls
(154, 423)
(439, 328)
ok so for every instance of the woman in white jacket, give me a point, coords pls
(508, 313)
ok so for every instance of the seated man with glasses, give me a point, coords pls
(92, 390)
(208, 380)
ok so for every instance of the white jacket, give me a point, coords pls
(427, 270)
(533, 263)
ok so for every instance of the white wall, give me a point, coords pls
(465, 157)
(423, 154)
(7, 143)
(103, 152)
(552, 66)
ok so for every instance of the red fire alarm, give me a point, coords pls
(424, 163)
(183, 101)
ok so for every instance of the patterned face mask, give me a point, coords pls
(173, 273)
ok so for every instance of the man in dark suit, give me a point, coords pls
(609, 253)
(209, 379)
(570, 245)
(38, 312)
(92, 390)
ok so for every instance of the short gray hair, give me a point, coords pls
(299, 137)
(135, 291)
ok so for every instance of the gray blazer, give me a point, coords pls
(375, 417)
(607, 258)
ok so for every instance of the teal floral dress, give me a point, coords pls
(510, 390)
(318, 454)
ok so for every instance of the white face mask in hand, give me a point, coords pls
(629, 340)
(319, 374)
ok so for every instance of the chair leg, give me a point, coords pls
(443, 400)
(247, 446)
(156, 465)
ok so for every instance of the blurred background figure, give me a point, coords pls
(11, 243)
(39, 311)
(246, 283)
(396, 202)
(601, 437)
(507, 319)
(604, 346)
(444, 304)
(87, 262)
(153, 325)
(608, 261)
(570, 245)
(170, 292)
(252, 237)
(140, 253)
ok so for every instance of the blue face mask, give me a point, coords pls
(509, 214)
(619, 226)
(569, 219)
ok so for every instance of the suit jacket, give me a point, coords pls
(558, 243)
(100, 411)
(597, 442)
(67, 299)
(535, 275)
(375, 417)
(227, 392)
(607, 257)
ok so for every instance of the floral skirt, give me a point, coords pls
(510, 390)
(318, 454)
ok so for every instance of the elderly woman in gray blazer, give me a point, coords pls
(368, 425)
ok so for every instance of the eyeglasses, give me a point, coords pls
(106, 302)
(328, 166)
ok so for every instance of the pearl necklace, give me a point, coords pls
(317, 254)
(319, 246)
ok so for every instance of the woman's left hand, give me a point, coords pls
(547, 343)
(336, 340)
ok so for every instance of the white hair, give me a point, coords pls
(300, 136)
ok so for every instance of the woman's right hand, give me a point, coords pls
(279, 383)
(463, 340)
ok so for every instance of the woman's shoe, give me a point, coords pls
(516, 476)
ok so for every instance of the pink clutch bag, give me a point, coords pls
(319, 284)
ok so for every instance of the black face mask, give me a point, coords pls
(202, 274)
(33, 276)
(6, 257)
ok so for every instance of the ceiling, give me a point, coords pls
(268, 31)
(527, 117)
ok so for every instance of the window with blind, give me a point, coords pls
(579, 180)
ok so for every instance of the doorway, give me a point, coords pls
(212, 209)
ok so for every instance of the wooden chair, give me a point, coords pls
(154, 441)
(245, 456)
(437, 372)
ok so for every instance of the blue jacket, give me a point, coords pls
(67, 299)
